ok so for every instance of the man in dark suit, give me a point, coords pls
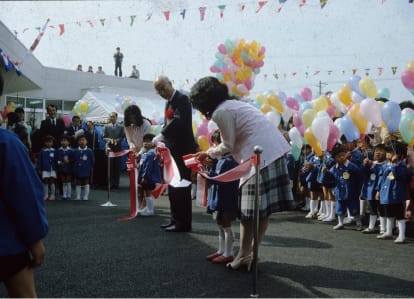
(112, 134)
(178, 136)
(52, 126)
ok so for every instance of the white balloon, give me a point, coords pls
(320, 128)
(274, 117)
(295, 137)
(211, 126)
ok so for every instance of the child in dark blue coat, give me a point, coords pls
(371, 172)
(392, 192)
(83, 160)
(64, 166)
(46, 166)
(347, 187)
(222, 202)
(149, 174)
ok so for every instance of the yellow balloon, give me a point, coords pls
(266, 108)
(260, 98)
(367, 87)
(275, 102)
(410, 66)
(308, 116)
(194, 126)
(313, 141)
(83, 106)
(321, 103)
(356, 116)
(203, 142)
(344, 95)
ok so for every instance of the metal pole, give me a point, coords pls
(257, 150)
(109, 203)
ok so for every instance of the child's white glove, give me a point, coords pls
(158, 138)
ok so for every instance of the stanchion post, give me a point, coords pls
(257, 150)
(109, 203)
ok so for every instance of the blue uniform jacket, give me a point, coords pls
(47, 159)
(223, 196)
(83, 160)
(149, 168)
(326, 178)
(347, 179)
(357, 157)
(22, 211)
(305, 172)
(371, 176)
(393, 183)
(65, 154)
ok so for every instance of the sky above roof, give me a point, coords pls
(305, 44)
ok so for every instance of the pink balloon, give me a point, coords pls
(306, 94)
(66, 120)
(407, 79)
(331, 110)
(292, 103)
(214, 69)
(248, 83)
(332, 137)
(297, 121)
(262, 51)
(301, 130)
(222, 49)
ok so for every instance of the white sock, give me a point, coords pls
(341, 219)
(401, 229)
(327, 207)
(321, 207)
(383, 224)
(52, 190)
(150, 204)
(362, 207)
(193, 190)
(78, 192)
(68, 190)
(222, 239)
(86, 194)
(372, 220)
(46, 190)
(390, 226)
(228, 242)
(64, 189)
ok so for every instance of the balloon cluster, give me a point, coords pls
(122, 103)
(407, 77)
(82, 107)
(238, 61)
(10, 107)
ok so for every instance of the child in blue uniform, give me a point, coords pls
(347, 178)
(310, 171)
(83, 160)
(372, 172)
(306, 156)
(222, 203)
(392, 192)
(327, 180)
(46, 166)
(64, 165)
(149, 174)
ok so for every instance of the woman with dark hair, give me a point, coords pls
(136, 127)
(242, 127)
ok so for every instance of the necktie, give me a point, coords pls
(53, 122)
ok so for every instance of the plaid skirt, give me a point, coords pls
(275, 191)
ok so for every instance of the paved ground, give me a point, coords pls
(92, 254)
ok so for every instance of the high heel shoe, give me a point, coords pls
(240, 263)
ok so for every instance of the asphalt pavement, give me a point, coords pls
(90, 253)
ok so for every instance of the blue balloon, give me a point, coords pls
(282, 95)
(348, 128)
(353, 83)
(303, 106)
(391, 115)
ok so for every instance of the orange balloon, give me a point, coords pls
(356, 116)
(344, 95)
(275, 102)
(410, 66)
(313, 141)
(266, 108)
(203, 142)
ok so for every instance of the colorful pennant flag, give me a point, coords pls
(166, 14)
(323, 3)
(61, 29)
(102, 22)
(302, 3)
(90, 22)
(132, 20)
(354, 71)
(261, 4)
(149, 16)
(202, 12)
(394, 69)
(221, 8)
(242, 7)
(380, 69)
(119, 19)
(182, 13)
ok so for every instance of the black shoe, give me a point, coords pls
(174, 229)
(166, 225)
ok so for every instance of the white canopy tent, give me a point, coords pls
(100, 104)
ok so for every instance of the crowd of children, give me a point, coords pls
(358, 181)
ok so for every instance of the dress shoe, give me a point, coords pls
(223, 259)
(174, 229)
(241, 263)
(166, 225)
(212, 256)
